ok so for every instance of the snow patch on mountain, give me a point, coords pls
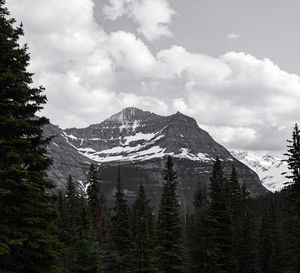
(185, 153)
(140, 136)
(269, 168)
(126, 154)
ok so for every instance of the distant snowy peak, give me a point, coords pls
(269, 168)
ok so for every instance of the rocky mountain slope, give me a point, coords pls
(269, 168)
(139, 142)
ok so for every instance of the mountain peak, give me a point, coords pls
(268, 167)
(130, 114)
(140, 141)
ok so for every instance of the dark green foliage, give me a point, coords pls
(169, 226)
(219, 230)
(93, 190)
(195, 230)
(293, 154)
(244, 230)
(269, 241)
(120, 227)
(72, 207)
(142, 253)
(81, 252)
(236, 201)
(196, 242)
(86, 247)
(200, 199)
(96, 204)
(27, 243)
(293, 201)
(248, 256)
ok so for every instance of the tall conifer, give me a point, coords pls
(219, 230)
(26, 240)
(269, 240)
(96, 204)
(169, 226)
(293, 193)
(142, 253)
(120, 227)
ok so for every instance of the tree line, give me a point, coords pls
(226, 231)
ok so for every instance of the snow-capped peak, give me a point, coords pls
(270, 168)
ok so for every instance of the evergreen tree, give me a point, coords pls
(293, 195)
(293, 154)
(244, 230)
(93, 190)
(248, 256)
(142, 253)
(169, 226)
(72, 207)
(27, 243)
(120, 227)
(81, 248)
(219, 232)
(96, 204)
(269, 241)
(236, 201)
(87, 248)
(195, 230)
(200, 199)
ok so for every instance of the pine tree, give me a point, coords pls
(195, 230)
(293, 154)
(142, 253)
(245, 238)
(72, 206)
(236, 201)
(200, 199)
(27, 243)
(293, 193)
(81, 248)
(219, 232)
(169, 226)
(269, 241)
(248, 256)
(120, 227)
(96, 204)
(87, 248)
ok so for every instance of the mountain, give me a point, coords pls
(269, 168)
(139, 141)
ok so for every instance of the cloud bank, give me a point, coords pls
(89, 74)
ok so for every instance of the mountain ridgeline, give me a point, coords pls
(139, 142)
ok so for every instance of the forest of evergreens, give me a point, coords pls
(43, 229)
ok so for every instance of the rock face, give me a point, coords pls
(140, 141)
(270, 168)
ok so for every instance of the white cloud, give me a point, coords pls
(195, 68)
(89, 74)
(80, 64)
(152, 16)
(232, 36)
(129, 52)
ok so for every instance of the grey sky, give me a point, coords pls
(232, 65)
(267, 28)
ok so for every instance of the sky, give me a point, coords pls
(232, 65)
